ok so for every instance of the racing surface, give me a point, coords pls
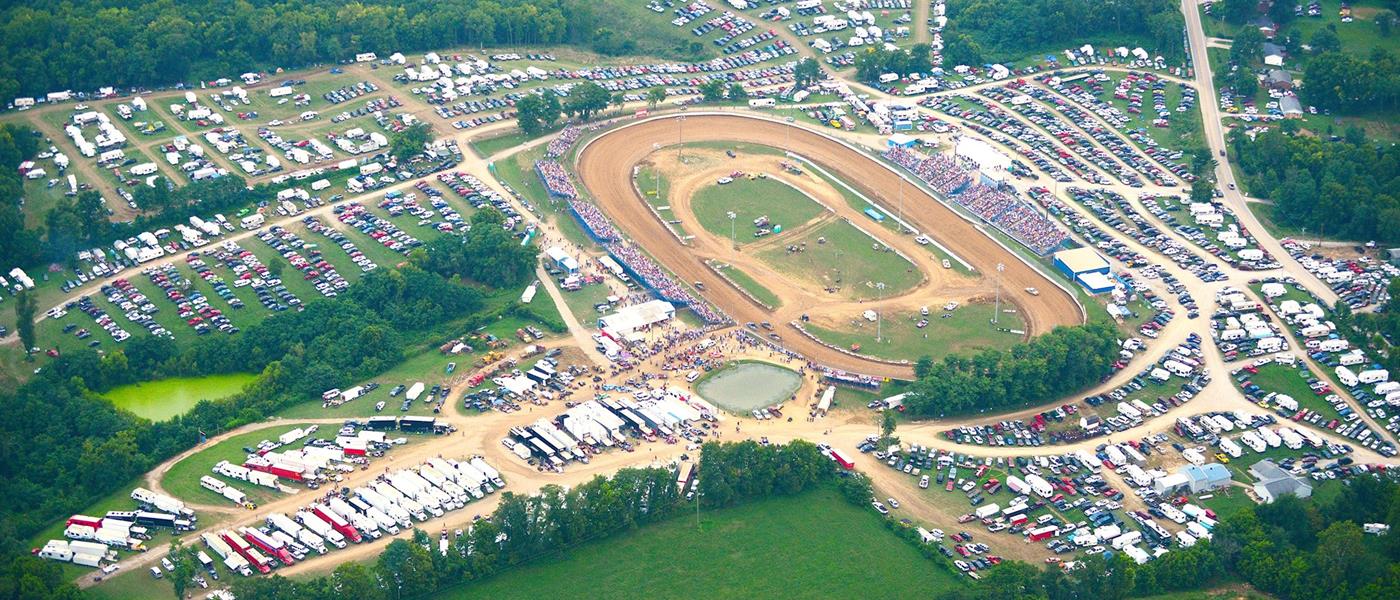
(605, 167)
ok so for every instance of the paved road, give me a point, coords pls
(1224, 176)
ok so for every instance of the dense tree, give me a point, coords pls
(960, 49)
(737, 93)
(1325, 40)
(1343, 82)
(1005, 31)
(1341, 189)
(536, 113)
(874, 62)
(712, 91)
(487, 254)
(1247, 46)
(410, 141)
(26, 306)
(656, 96)
(85, 44)
(1050, 366)
(807, 72)
(586, 99)
(1237, 12)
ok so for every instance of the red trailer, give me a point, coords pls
(268, 544)
(337, 522)
(254, 558)
(92, 522)
(280, 470)
(842, 459)
(1044, 532)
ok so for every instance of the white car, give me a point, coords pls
(893, 503)
(880, 508)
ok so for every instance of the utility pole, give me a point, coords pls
(901, 204)
(996, 316)
(733, 240)
(680, 139)
(879, 314)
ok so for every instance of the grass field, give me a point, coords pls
(750, 199)
(488, 147)
(846, 261)
(656, 190)
(750, 285)
(811, 546)
(967, 330)
(1291, 381)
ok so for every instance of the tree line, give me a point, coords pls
(874, 62)
(19, 245)
(85, 44)
(999, 30)
(1049, 366)
(1348, 189)
(65, 446)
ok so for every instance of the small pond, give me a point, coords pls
(166, 398)
(743, 387)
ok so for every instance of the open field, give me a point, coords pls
(864, 560)
(751, 199)
(839, 256)
(966, 330)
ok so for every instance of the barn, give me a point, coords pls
(1085, 267)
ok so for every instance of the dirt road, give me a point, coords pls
(605, 167)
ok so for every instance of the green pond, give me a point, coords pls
(746, 386)
(166, 398)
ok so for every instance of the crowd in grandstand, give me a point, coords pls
(601, 228)
(1000, 208)
(556, 181)
(658, 279)
(561, 143)
(939, 170)
(1014, 216)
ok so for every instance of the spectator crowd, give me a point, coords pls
(1008, 213)
(556, 180)
(1015, 217)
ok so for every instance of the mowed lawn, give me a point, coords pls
(968, 329)
(752, 199)
(846, 258)
(811, 546)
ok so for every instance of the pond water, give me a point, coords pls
(166, 398)
(744, 387)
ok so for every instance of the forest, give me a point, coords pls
(1000, 30)
(1346, 189)
(84, 44)
(56, 466)
(1049, 366)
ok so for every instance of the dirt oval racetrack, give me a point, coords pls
(605, 167)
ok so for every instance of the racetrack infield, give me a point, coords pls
(604, 165)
